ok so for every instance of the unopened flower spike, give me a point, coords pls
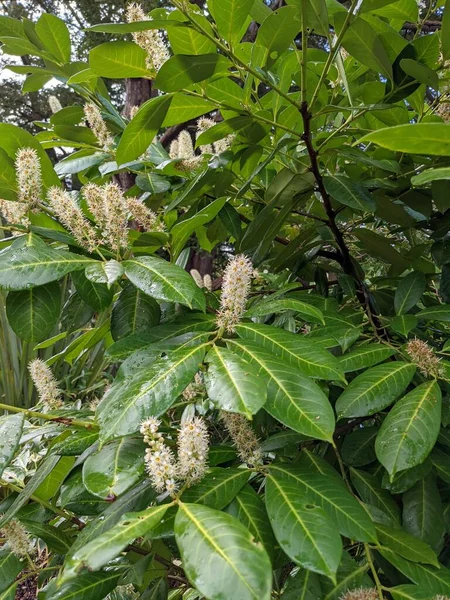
(47, 388)
(29, 178)
(243, 437)
(55, 104)
(235, 289)
(144, 216)
(203, 124)
(424, 358)
(17, 538)
(159, 459)
(115, 227)
(150, 40)
(193, 447)
(98, 125)
(361, 594)
(72, 217)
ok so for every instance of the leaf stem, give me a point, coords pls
(374, 571)
(37, 415)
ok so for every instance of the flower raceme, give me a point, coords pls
(98, 125)
(43, 379)
(17, 539)
(193, 446)
(244, 438)
(29, 178)
(423, 356)
(235, 289)
(151, 40)
(160, 460)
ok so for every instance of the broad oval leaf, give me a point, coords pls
(435, 313)
(349, 193)
(104, 272)
(163, 280)
(34, 313)
(365, 356)
(292, 398)
(181, 71)
(10, 567)
(410, 430)
(303, 530)
(148, 392)
(406, 545)
(115, 468)
(87, 586)
(118, 60)
(97, 295)
(36, 264)
(423, 514)
(218, 488)
(220, 557)
(133, 312)
(55, 36)
(10, 433)
(306, 311)
(358, 448)
(370, 491)
(233, 384)
(230, 17)
(311, 359)
(431, 175)
(416, 138)
(374, 389)
(409, 292)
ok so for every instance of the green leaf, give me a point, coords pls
(436, 580)
(409, 292)
(380, 246)
(403, 324)
(409, 592)
(303, 530)
(358, 448)
(73, 443)
(374, 389)
(350, 576)
(112, 542)
(133, 312)
(410, 430)
(248, 508)
(445, 31)
(186, 40)
(220, 556)
(10, 433)
(422, 512)
(420, 72)
(115, 468)
(276, 34)
(218, 488)
(141, 130)
(413, 138)
(233, 384)
(304, 584)
(327, 490)
(148, 392)
(230, 18)
(10, 567)
(292, 399)
(55, 36)
(345, 191)
(435, 313)
(54, 537)
(370, 491)
(163, 280)
(184, 108)
(182, 230)
(118, 60)
(36, 264)
(361, 41)
(87, 586)
(96, 295)
(104, 272)
(267, 307)
(309, 358)
(365, 356)
(181, 71)
(406, 545)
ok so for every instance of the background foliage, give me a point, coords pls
(317, 359)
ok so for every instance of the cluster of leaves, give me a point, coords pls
(333, 158)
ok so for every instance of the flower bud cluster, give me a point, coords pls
(183, 148)
(55, 104)
(72, 217)
(193, 447)
(202, 282)
(98, 125)
(29, 178)
(47, 388)
(151, 40)
(17, 538)
(361, 594)
(243, 437)
(235, 289)
(424, 358)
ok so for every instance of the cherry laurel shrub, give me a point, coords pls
(225, 312)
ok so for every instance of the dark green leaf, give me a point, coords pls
(345, 191)
(365, 356)
(133, 312)
(422, 512)
(409, 292)
(181, 71)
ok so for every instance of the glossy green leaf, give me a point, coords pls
(233, 384)
(358, 448)
(277, 33)
(96, 295)
(87, 586)
(181, 71)
(371, 492)
(416, 138)
(403, 324)
(249, 509)
(10, 433)
(409, 592)
(110, 544)
(406, 545)
(306, 311)
(55, 36)
(218, 488)
(292, 399)
(349, 193)
(445, 42)
(148, 392)
(230, 18)
(420, 72)
(163, 280)
(184, 107)
(115, 468)
(365, 356)
(73, 443)
(141, 130)
(303, 530)
(10, 567)
(312, 360)
(104, 272)
(374, 389)
(409, 292)
(327, 490)
(410, 430)
(133, 312)
(54, 537)
(304, 584)
(422, 512)
(36, 264)
(220, 556)
(118, 60)
(435, 313)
